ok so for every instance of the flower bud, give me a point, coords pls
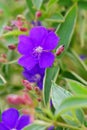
(23, 29)
(27, 84)
(12, 47)
(38, 14)
(39, 99)
(59, 50)
(8, 28)
(15, 99)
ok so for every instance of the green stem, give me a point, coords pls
(66, 126)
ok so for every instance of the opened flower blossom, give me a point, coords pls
(35, 75)
(12, 121)
(36, 48)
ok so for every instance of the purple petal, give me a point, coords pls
(38, 34)
(51, 41)
(10, 117)
(23, 121)
(25, 45)
(46, 59)
(2, 127)
(40, 84)
(27, 61)
(36, 75)
(51, 128)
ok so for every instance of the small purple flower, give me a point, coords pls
(12, 121)
(83, 57)
(36, 23)
(35, 75)
(36, 48)
(51, 128)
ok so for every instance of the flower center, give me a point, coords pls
(39, 49)
(37, 77)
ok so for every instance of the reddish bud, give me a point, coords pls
(4, 56)
(38, 14)
(12, 47)
(51, 29)
(23, 29)
(39, 99)
(59, 50)
(8, 28)
(36, 89)
(15, 99)
(27, 84)
(27, 99)
(17, 23)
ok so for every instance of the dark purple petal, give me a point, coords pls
(40, 84)
(36, 75)
(36, 23)
(10, 117)
(25, 45)
(27, 61)
(23, 121)
(46, 59)
(51, 41)
(38, 34)
(2, 127)
(51, 128)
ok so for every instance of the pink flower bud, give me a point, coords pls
(17, 23)
(15, 99)
(27, 99)
(12, 47)
(8, 28)
(59, 50)
(27, 84)
(38, 14)
(4, 56)
(23, 29)
(36, 89)
(39, 99)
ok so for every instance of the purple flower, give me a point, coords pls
(83, 57)
(35, 75)
(36, 48)
(12, 121)
(51, 128)
(36, 23)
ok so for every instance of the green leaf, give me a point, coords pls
(37, 3)
(72, 75)
(30, 6)
(77, 88)
(76, 59)
(12, 33)
(82, 4)
(51, 74)
(51, 2)
(58, 95)
(55, 18)
(66, 29)
(35, 127)
(2, 80)
(72, 103)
